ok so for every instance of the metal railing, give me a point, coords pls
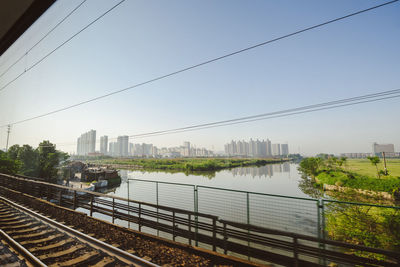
(294, 214)
(192, 226)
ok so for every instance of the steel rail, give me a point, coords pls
(21, 250)
(107, 248)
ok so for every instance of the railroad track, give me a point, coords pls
(41, 241)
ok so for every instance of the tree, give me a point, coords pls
(331, 162)
(341, 161)
(310, 166)
(12, 152)
(29, 159)
(7, 165)
(49, 159)
(374, 161)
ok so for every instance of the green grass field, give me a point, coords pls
(364, 167)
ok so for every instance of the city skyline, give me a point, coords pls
(298, 71)
(86, 146)
(256, 148)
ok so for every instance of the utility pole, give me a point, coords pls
(8, 135)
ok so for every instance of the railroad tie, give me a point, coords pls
(44, 249)
(42, 240)
(87, 257)
(71, 250)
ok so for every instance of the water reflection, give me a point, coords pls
(226, 195)
(263, 171)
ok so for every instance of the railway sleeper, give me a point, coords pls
(14, 264)
(45, 240)
(4, 207)
(17, 218)
(9, 213)
(37, 235)
(84, 259)
(72, 250)
(59, 244)
(107, 261)
(39, 227)
(22, 226)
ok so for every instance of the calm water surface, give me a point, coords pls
(280, 179)
(221, 194)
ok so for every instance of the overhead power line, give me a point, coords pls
(193, 66)
(61, 45)
(41, 39)
(391, 94)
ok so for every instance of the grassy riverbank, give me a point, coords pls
(354, 174)
(187, 164)
(358, 181)
(369, 225)
(364, 167)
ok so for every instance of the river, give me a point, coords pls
(225, 194)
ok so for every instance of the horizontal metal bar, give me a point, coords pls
(256, 193)
(160, 182)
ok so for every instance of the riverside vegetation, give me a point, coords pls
(358, 175)
(368, 225)
(187, 164)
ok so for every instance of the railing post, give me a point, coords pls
(173, 225)
(129, 215)
(214, 234)
(248, 223)
(321, 229)
(196, 210)
(158, 222)
(225, 240)
(113, 209)
(295, 252)
(318, 220)
(190, 228)
(323, 219)
(140, 215)
(248, 207)
(74, 205)
(91, 205)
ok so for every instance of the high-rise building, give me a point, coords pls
(123, 146)
(104, 144)
(86, 143)
(186, 149)
(147, 149)
(276, 149)
(137, 150)
(255, 148)
(112, 151)
(268, 148)
(284, 149)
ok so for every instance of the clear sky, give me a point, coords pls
(140, 40)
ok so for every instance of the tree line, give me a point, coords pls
(36, 162)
